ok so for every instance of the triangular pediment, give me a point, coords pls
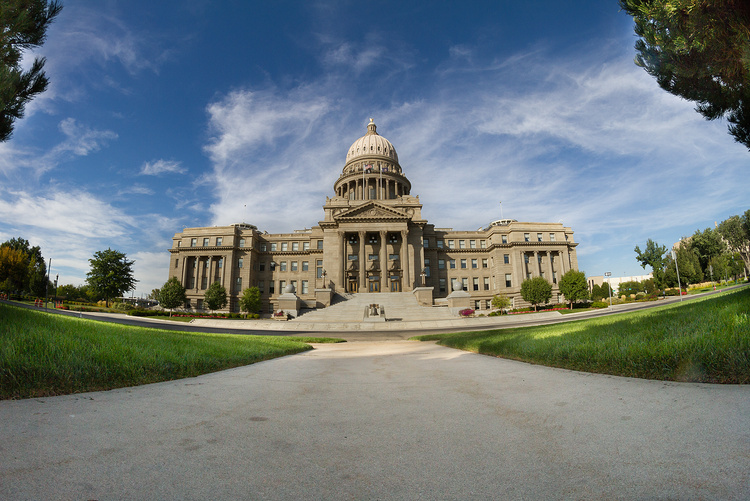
(371, 211)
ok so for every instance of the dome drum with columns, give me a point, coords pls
(372, 239)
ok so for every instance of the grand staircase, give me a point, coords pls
(398, 306)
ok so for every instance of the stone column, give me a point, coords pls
(549, 267)
(406, 275)
(537, 264)
(344, 261)
(383, 264)
(362, 262)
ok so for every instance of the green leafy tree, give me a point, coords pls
(630, 287)
(698, 50)
(34, 279)
(215, 297)
(707, 244)
(536, 291)
(171, 295)
(111, 275)
(500, 302)
(574, 287)
(250, 301)
(13, 269)
(605, 290)
(154, 294)
(736, 233)
(596, 292)
(689, 268)
(23, 25)
(652, 255)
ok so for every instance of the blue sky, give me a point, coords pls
(168, 114)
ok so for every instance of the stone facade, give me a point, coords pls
(372, 239)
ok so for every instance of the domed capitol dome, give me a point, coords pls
(371, 144)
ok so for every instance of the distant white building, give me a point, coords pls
(614, 282)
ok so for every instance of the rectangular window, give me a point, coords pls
(282, 286)
(465, 283)
(205, 242)
(526, 258)
(488, 304)
(221, 262)
(486, 283)
(282, 266)
(304, 287)
(506, 258)
(319, 268)
(294, 265)
(425, 242)
(452, 264)
(239, 263)
(218, 241)
(551, 237)
(538, 237)
(476, 304)
(526, 237)
(462, 244)
(483, 244)
(262, 266)
(295, 246)
(193, 242)
(393, 257)
(427, 272)
(505, 239)
(352, 257)
(439, 244)
(270, 287)
(507, 280)
(484, 263)
(451, 244)
(263, 247)
(261, 286)
(242, 242)
(272, 266)
(176, 263)
(305, 246)
(294, 284)
(474, 264)
(284, 246)
(273, 246)
(372, 257)
(320, 244)
(239, 284)
(442, 285)
(539, 259)
(475, 283)
(472, 244)
(441, 264)
(463, 264)
(305, 265)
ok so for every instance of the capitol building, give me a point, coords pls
(372, 238)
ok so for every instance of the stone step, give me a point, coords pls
(397, 306)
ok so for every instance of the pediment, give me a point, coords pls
(371, 211)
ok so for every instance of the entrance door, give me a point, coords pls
(352, 285)
(374, 286)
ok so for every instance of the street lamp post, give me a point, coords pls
(677, 269)
(609, 285)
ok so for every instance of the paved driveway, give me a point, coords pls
(382, 420)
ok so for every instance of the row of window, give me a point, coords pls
(440, 244)
(527, 237)
(304, 286)
(285, 246)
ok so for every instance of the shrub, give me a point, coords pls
(598, 304)
(640, 296)
(467, 312)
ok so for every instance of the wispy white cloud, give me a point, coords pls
(160, 166)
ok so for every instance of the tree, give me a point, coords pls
(707, 244)
(34, 280)
(653, 256)
(698, 50)
(630, 287)
(500, 302)
(596, 292)
(736, 233)
(215, 297)
(688, 265)
(250, 300)
(23, 25)
(13, 269)
(574, 287)
(154, 294)
(536, 291)
(111, 275)
(171, 295)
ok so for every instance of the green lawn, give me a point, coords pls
(44, 354)
(702, 340)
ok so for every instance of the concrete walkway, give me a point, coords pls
(382, 420)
